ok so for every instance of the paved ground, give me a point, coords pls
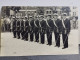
(17, 47)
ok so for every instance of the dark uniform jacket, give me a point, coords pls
(27, 25)
(58, 29)
(43, 26)
(14, 25)
(51, 25)
(36, 25)
(18, 25)
(22, 25)
(32, 25)
(67, 26)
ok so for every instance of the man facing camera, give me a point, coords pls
(57, 29)
(50, 26)
(42, 29)
(36, 29)
(31, 25)
(65, 30)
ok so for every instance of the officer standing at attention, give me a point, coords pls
(14, 26)
(57, 29)
(42, 29)
(50, 26)
(22, 28)
(66, 27)
(18, 27)
(26, 28)
(36, 24)
(31, 24)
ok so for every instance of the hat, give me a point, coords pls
(17, 17)
(30, 16)
(64, 14)
(55, 14)
(13, 17)
(49, 15)
(41, 16)
(25, 16)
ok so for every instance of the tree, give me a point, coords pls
(40, 10)
(66, 10)
(16, 9)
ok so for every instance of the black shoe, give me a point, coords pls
(35, 41)
(14, 37)
(64, 47)
(31, 41)
(58, 46)
(26, 39)
(22, 38)
(18, 38)
(55, 46)
(47, 44)
(42, 43)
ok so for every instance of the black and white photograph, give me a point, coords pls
(39, 30)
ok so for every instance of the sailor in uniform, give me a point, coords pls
(42, 29)
(50, 26)
(22, 28)
(57, 29)
(18, 27)
(26, 28)
(66, 27)
(14, 26)
(31, 25)
(36, 29)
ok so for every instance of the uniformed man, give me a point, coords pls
(50, 26)
(18, 27)
(42, 29)
(22, 28)
(57, 29)
(26, 28)
(31, 24)
(36, 29)
(65, 30)
(14, 26)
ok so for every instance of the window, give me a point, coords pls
(50, 12)
(46, 12)
(74, 7)
(73, 13)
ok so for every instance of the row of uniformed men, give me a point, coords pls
(42, 26)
